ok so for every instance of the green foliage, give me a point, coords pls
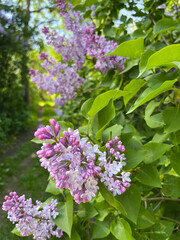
(101, 229)
(171, 186)
(16, 232)
(149, 175)
(51, 188)
(65, 218)
(131, 201)
(167, 56)
(121, 229)
(107, 195)
(102, 118)
(102, 101)
(165, 24)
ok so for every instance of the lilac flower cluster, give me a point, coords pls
(75, 164)
(97, 47)
(71, 48)
(59, 79)
(113, 164)
(32, 219)
(83, 42)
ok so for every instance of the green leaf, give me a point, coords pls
(129, 64)
(108, 78)
(171, 187)
(175, 162)
(156, 80)
(114, 131)
(157, 119)
(86, 211)
(165, 24)
(86, 107)
(151, 93)
(103, 210)
(175, 137)
(75, 2)
(144, 58)
(108, 196)
(75, 235)
(103, 99)
(65, 125)
(121, 229)
(101, 229)
(145, 219)
(172, 119)
(65, 218)
(148, 175)
(154, 151)
(38, 141)
(16, 232)
(165, 56)
(102, 118)
(131, 201)
(131, 49)
(161, 230)
(133, 158)
(132, 88)
(90, 2)
(51, 188)
(160, 137)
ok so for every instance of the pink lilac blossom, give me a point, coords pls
(59, 79)
(32, 219)
(76, 164)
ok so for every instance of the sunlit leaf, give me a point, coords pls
(131, 49)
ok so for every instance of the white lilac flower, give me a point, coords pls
(114, 168)
(125, 177)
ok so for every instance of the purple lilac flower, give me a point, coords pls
(43, 56)
(97, 47)
(61, 4)
(32, 219)
(59, 79)
(76, 164)
(83, 42)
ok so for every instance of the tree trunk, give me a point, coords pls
(26, 38)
